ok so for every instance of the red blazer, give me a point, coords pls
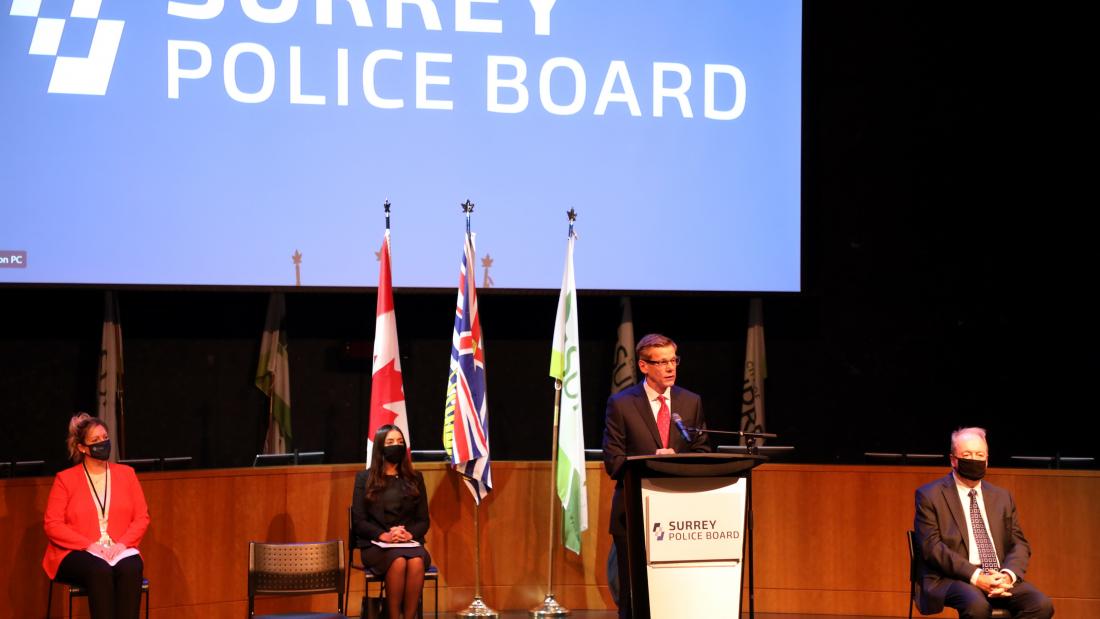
(71, 521)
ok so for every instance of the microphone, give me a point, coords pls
(680, 425)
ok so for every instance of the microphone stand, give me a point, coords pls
(750, 437)
(754, 450)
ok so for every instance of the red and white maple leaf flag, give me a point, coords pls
(387, 395)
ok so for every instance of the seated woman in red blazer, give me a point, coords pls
(390, 505)
(95, 518)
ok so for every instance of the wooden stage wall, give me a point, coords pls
(829, 539)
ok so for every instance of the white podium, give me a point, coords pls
(687, 520)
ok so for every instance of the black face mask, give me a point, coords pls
(101, 450)
(970, 469)
(394, 454)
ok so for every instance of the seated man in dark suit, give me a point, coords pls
(974, 552)
(639, 423)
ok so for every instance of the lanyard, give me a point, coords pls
(106, 480)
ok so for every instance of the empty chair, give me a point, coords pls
(296, 569)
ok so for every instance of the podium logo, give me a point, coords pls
(659, 531)
(87, 75)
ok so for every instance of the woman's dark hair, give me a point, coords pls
(376, 478)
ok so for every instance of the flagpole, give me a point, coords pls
(549, 602)
(550, 606)
(477, 607)
(477, 551)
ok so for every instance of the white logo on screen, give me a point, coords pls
(74, 75)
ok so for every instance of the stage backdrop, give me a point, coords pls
(206, 142)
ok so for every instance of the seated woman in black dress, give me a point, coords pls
(390, 505)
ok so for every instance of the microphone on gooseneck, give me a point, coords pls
(680, 425)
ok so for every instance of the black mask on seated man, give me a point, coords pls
(970, 469)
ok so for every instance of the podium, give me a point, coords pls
(688, 520)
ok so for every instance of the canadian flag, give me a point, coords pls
(387, 395)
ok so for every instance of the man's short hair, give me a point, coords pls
(653, 340)
(975, 431)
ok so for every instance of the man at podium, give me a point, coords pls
(650, 418)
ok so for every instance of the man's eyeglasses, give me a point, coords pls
(675, 361)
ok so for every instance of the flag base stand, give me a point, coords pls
(549, 608)
(477, 608)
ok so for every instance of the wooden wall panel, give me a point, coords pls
(1059, 515)
(833, 537)
(196, 547)
(829, 539)
(22, 543)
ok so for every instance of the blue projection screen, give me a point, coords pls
(205, 142)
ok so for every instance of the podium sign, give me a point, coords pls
(694, 524)
(695, 540)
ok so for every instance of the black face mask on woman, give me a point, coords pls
(100, 450)
(970, 469)
(394, 454)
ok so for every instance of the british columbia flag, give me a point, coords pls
(466, 416)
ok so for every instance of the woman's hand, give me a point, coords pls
(113, 551)
(395, 535)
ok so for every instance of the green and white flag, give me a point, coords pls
(273, 376)
(566, 368)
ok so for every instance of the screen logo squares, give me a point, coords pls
(74, 75)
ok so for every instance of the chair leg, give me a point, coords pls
(147, 604)
(49, 599)
(70, 604)
(347, 580)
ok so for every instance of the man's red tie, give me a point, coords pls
(664, 417)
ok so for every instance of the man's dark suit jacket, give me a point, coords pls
(940, 525)
(631, 430)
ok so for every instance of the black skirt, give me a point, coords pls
(378, 559)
